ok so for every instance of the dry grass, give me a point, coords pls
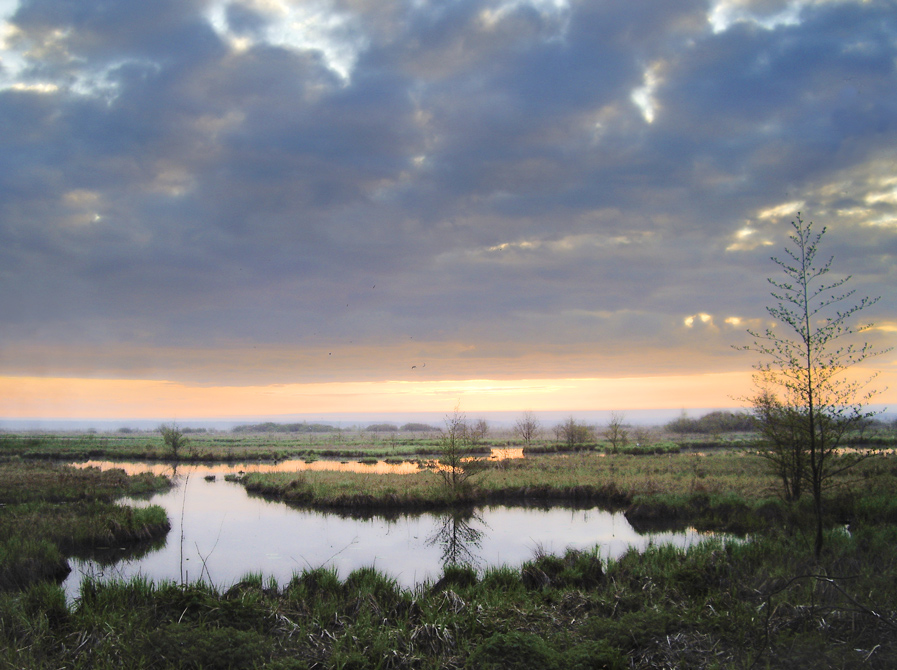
(621, 477)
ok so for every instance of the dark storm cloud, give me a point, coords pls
(516, 177)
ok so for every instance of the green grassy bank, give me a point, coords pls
(49, 512)
(763, 603)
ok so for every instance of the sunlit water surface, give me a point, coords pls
(220, 533)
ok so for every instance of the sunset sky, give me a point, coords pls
(289, 207)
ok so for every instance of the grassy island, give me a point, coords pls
(48, 512)
(726, 491)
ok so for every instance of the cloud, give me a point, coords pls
(525, 187)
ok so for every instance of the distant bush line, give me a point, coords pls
(305, 427)
(872, 432)
(713, 423)
(271, 427)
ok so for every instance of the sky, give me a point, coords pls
(273, 207)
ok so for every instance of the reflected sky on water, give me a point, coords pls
(219, 533)
(405, 467)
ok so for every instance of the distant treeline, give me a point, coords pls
(405, 428)
(713, 423)
(271, 427)
(305, 427)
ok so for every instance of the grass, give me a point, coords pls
(49, 512)
(226, 446)
(22, 482)
(26, 559)
(729, 490)
(764, 602)
(217, 446)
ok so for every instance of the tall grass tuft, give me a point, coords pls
(24, 560)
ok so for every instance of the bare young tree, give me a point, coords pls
(459, 537)
(527, 428)
(782, 441)
(806, 404)
(643, 435)
(558, 431)
(477, 431)
(617, 432)
(173, 437)
(573, 433)
(455, 466)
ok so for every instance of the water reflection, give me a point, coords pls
(389, 466)
(505, 453)
(219, 534)
(110, 556)
(170, 469)
(459, 537)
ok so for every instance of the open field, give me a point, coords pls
(715, 431)
(763, 602)
(219, 446)
(228, 446)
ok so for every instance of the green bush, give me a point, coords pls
(714, 423)
(514, 650)
(576, 569)
(503, 579)
(368, 581)
(456, 576)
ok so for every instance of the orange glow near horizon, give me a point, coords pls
(71, 398)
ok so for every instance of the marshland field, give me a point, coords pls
(750, 592)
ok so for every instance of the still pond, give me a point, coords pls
(220, 533)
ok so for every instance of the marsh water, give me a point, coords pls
(220, 533)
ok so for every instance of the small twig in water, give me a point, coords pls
(204, 559)
(325, 562)
(183, 507)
